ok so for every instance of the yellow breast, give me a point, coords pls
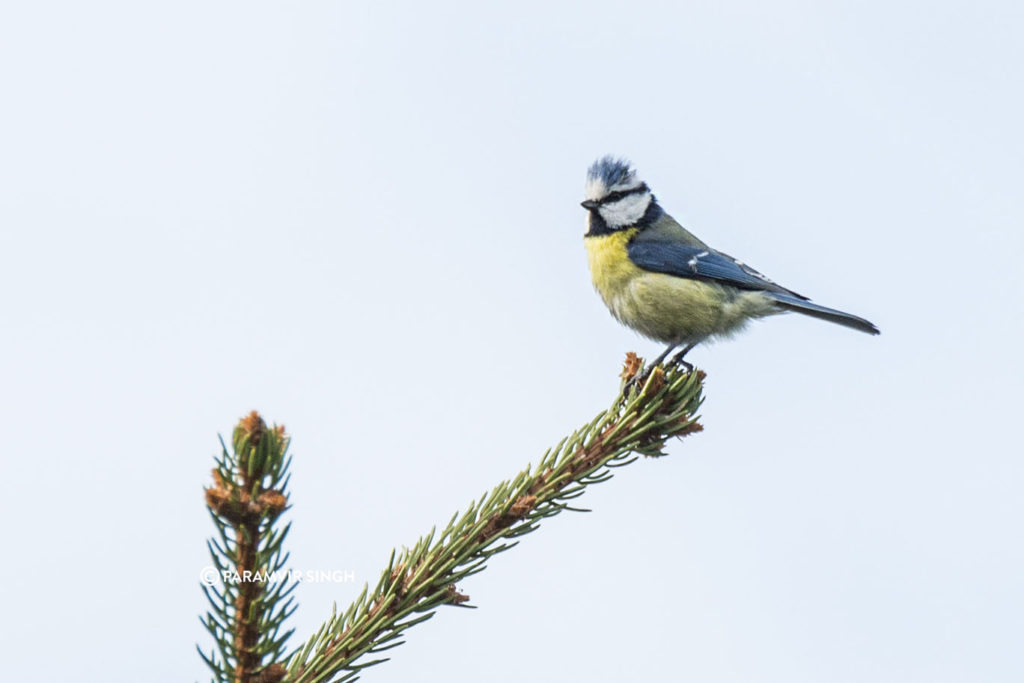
(610, 268)
(664, 307)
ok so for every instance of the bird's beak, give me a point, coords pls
(589, 205)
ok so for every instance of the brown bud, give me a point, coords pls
(253, 425)
(522, 506)
(455, 597)
(631, 366)
(692, 428)
(228, 508)
(273, 501)
(217, 498)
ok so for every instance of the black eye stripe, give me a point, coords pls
(616, 196)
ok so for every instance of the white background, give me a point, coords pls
(363, 220)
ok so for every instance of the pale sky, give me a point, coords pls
(363, 220)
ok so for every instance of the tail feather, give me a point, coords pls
(792, 303)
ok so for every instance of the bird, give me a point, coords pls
(658, 278)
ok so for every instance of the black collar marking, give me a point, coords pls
(598, 226)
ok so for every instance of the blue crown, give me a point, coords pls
(610, 171)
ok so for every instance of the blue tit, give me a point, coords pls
(662, 281)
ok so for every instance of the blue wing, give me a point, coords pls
(700, 263)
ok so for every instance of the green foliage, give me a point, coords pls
(644, 415)
(247, 609)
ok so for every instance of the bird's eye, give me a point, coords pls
(619, 194)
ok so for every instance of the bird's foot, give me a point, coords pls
(678, 361)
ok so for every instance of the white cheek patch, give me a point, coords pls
(627, 210)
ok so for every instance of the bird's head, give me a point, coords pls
(616, 198)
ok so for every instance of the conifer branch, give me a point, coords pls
(419, 580)
(247, 609)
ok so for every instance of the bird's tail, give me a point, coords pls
(791, 303)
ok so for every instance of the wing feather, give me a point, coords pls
(699, 263)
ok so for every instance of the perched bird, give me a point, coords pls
(659, 279)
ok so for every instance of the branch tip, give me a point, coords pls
(454, 597)
(631, 366)
(253, 426)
